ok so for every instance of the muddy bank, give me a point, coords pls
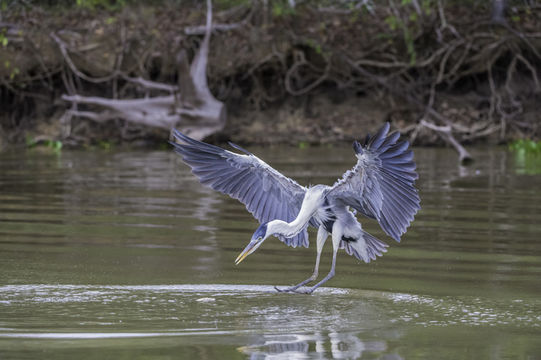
(310, 73)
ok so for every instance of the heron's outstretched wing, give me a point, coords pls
(267, 194)
(381, 184)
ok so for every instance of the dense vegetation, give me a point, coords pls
(312, 71)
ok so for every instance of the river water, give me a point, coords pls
(124, 255)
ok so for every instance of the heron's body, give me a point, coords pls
(380, 186)
(331, 219)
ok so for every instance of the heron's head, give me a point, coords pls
(257, 239)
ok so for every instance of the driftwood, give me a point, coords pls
(190, 106)
(464, 156)
(445, 132)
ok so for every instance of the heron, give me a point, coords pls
(380, 186)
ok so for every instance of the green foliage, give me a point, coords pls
(393, 22)
(30, 142)
(282, 8)
(14, 70)
(303, 145)
(226, 4)
(527, 155)
(164, 146)
(101, 4)
(409, 22)
(410, 46)
(526, 146)
(14, 73)
(105, 145)
(427, 6)
(54, 145)
(3, 38)
(315, 45)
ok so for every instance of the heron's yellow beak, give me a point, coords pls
(241, 257)
(252, 246)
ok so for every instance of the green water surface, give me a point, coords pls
(124, 255)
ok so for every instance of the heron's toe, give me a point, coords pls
(303, 291)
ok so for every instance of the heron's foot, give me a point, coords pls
(296, 290)
(295, 287)
(281, 290)
(284, 290)
(288, 289)
(306, 291)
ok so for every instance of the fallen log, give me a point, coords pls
(190, 106)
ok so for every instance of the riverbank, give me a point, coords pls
(309, 73)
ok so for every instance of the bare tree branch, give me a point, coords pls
(195, 110)
(445, 132)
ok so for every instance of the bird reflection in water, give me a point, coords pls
(332, 345)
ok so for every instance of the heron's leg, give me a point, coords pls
(322, 235)
(335, 245)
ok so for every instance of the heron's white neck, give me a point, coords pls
(313, 199)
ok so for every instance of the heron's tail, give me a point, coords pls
(365, 248)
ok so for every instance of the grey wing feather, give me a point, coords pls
(267, 194)
(382, 183)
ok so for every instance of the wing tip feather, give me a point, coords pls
(388, 193)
